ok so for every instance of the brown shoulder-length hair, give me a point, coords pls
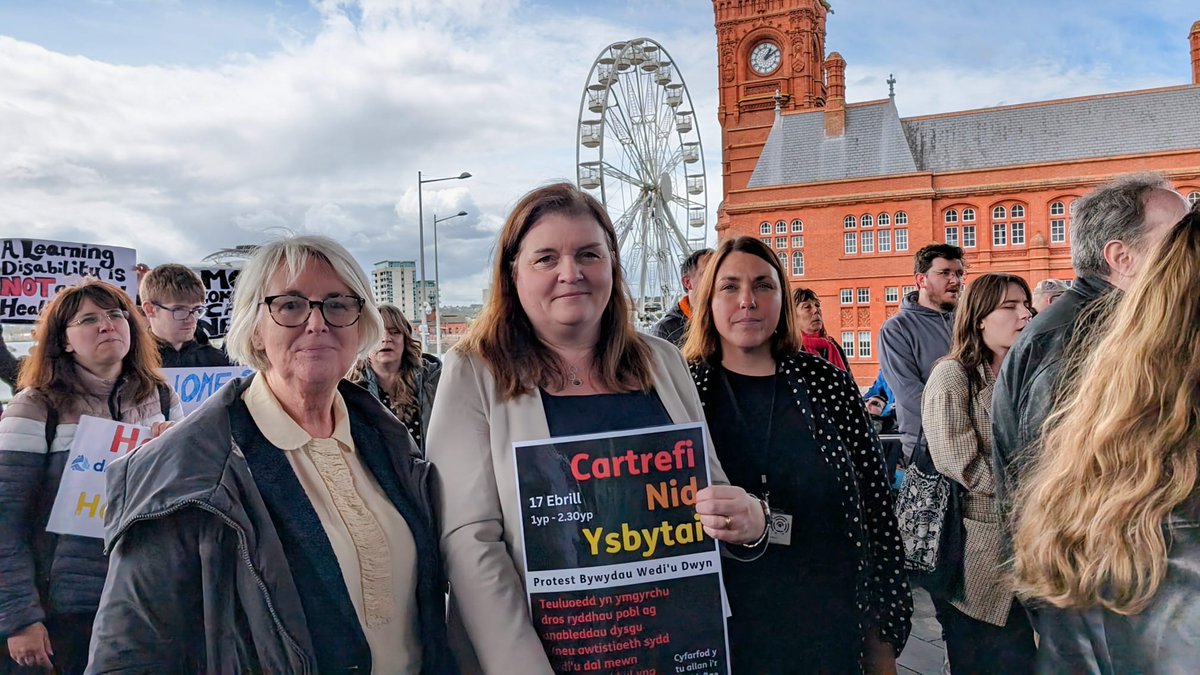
(503, 335)
(984, 294)
(403, 394)
(703, 342)
(50, 368)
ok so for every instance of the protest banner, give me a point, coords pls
(218, 298)
(620, 576)
(196, 385)
(82, 498)
(32, 271)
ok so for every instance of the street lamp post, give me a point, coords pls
(437, 282)
(421, 235)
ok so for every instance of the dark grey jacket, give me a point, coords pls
(1028, 383)
(198, 578)
(427, 382)
(672, 327)
(1164, 638)
(909, 344)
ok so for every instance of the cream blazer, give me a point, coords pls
(471, 433)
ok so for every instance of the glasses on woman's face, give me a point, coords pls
(92, 320)
(182, 313)
(291, 311)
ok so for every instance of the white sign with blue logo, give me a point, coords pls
(82, 496)
(196, 385)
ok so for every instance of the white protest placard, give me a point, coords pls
(218, 298)
(196, 385)
(82, 497)
(32, 271)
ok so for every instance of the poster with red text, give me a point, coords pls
(32, 271)
(619, 573)
(82, 495)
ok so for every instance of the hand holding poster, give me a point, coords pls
(619, 573)
(196, 385)
(32, 271)
(82, 497)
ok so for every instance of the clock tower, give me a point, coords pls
(764, 47)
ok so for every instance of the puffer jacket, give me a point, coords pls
(43, 573)
(198, 579)
(1028, 384)
(1164, 638)
(427, 382)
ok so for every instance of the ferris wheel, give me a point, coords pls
(639, 152)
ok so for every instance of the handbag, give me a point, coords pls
(930, 518)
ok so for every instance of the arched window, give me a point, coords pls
(901, 218)
(1193, 198)
(783, 259)
(1057, 209)
(968, 215)
(765, 228)
(1058, 222)
(798, 264)
(884, 220)
(797, 226)
(781, 227)
(951, 216)
(866, 221)
(1017, 211)
(999, 213)
(848, 222)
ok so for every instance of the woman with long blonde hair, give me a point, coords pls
(1109, 533)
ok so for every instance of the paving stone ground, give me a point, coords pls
(924, 652)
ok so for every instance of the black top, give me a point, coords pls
(794, 608)
(598, 413)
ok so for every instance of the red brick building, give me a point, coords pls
(846, 193)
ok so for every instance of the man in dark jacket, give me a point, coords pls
(172, 298)
(673, 326)
(913, 340)
(1115, 229)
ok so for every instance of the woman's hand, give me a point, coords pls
(157, 428)
(879, 657)
(730, 515)
(30, 646)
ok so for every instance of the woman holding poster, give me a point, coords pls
(402, 377)
(283, 527)
(830, 594)
(93, 357)
(553, 354)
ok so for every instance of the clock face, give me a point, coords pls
(765, 58)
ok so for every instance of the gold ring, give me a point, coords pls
(728, 522)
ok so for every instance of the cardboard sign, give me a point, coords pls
(32, 271)
(82, 497)
(218, 298)
(196, 385)
(619, 574)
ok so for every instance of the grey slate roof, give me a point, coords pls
(797, 150)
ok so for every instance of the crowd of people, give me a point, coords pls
(352, 505)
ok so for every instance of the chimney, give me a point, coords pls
(1195, 37)
(835, 103)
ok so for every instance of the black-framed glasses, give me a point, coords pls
(93, 320)
(182, 313)
(291, 311)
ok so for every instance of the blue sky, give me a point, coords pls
(180, 127)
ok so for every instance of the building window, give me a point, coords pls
(765, 228)
(902, 240)
(797, 225)
(1017, 211)
(999, 213)
(1018, 234)
(1193, 198)
(848, 222)
(798, 241)
(864, 296)
(952, 236)
(780, 242)
(951, 216)
(1058, 231)
(901, 218)
(783, 259)
(885, 241)
(968, 215)
(891, 294)
(864, 344)
(847, 296)
(766, 241)
(866, 221)
(848, 343)
(850, 243)
(968, 236)
(999, 234)
(908, 289)
(868, 242)
(1056, 209)
(781, 227)
(798, 264)
(883, 220)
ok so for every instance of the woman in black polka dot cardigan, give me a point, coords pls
(830, 594)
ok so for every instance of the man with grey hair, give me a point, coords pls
(1114, 231)
(1046, 292)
